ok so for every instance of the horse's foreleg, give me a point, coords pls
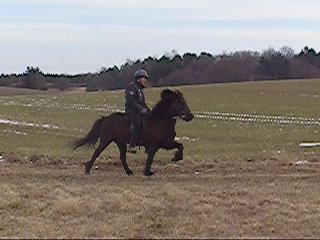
(97, 152)
(123, 152)
(151, 152)
(178, 156)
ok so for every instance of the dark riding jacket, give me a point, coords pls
(135, 100)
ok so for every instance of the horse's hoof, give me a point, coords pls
(132, 150)
(176, 159)
(148, 174)
(87, 168)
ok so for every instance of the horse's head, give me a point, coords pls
(178, 104)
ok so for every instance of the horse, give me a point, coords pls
(158, 132)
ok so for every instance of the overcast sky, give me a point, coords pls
(76, 36)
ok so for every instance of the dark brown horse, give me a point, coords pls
(159, 131)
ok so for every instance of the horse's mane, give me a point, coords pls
(160, 110)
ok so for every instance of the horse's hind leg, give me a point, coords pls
(123, 157)
(97, 152)
(178, 156)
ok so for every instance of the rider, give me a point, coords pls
(136, 108)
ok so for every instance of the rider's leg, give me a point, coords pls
(136, 130)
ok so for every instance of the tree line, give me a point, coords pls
(187, 69)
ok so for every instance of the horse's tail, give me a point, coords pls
(92, 136)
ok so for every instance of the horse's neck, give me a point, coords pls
(161, 111)
(169, 122)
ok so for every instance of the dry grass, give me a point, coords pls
(224, 198)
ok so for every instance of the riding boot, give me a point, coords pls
(132, 145)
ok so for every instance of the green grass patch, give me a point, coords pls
(74, 114)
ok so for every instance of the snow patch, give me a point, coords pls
(309, 144)
(255, 118)
(17, 123)
(301, 162)
(185, 138)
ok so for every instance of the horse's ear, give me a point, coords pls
(177, 92)
(166, 93)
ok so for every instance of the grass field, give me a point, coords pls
(9, 91)
(243, 174)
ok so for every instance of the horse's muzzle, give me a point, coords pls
(188, 117)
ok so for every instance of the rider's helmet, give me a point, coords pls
(141, 73)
